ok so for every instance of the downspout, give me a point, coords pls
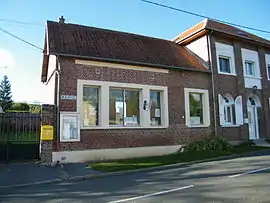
(212, 81)
(58, 72)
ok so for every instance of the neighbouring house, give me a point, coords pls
(122, 95)
(240, 64)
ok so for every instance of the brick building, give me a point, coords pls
(122, 95)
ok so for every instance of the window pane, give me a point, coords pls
(132, 111)
(229, 115)
(90, 105)
(155, 110)
(196, 108)
(224, 64)
(116, 114)
(249, 66)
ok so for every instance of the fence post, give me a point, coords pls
(48, 117)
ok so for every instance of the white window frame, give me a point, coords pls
(254, 68)
(267, 61)
(205, 104)
(230, 66)
(104, 103)
(225, 51)
(251, 56)
(74, 115)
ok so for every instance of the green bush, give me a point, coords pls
(209, 144)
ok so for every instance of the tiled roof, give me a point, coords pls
(82, 41)
(220, 27)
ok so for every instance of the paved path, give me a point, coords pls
(237, 180)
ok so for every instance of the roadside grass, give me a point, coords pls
(179, 157)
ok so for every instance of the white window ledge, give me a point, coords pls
(253, 77)
(223, 73)
(198, 126)
(230, 126)
(123, 127)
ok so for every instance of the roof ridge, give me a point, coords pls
(113, 31)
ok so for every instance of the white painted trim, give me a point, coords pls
(70, 114)
(115, 65)
(206, 110)
(230, 126)
(82, 156)
(226, 51)
(104, 103)
(267, 61)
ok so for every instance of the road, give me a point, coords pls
(237, 180)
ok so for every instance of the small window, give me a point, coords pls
(124, 107)
(224, 64)
(250, 68)
(268, 69)
(155, 109)
(90, 106)
(196, 108)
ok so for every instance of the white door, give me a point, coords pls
(253, 120)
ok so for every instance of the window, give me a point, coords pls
(228, 109)
(69, 127)
(197, 108)
(155, 107)
(90, 106)
(224, 64)
(124, 107)
(250, 68)
(114, 105)
(268, 69)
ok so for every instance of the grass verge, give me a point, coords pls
(138, 163)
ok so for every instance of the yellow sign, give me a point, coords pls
(46, 132)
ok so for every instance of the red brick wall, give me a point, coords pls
(175, 80)
(235, 86)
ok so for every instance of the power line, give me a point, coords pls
(203, 16)
(15, 36)
(19, 22)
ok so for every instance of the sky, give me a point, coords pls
(23, 61)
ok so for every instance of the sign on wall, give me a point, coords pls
(70, 127)
(68, 97)
(46, 132)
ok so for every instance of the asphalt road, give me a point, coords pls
(237, 180)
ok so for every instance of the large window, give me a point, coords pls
(124, 107)
(224, 64)
(90, 106)
(250, 68)
(155, 107)
(197, 107)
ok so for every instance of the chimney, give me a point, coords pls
(62, 20)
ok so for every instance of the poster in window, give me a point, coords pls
(69, 128)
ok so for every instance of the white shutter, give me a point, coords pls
(221, 110)
(239, 111)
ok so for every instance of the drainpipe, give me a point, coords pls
(212, 81)
(58, 72)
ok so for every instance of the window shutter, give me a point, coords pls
(221, 110)
(239, 111)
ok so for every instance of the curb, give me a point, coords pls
(106, 174)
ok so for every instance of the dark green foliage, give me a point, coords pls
(5, 94)
(20, 107)
(210, 144)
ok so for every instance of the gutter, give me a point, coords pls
(58, 72)
(212, 80)
(130, 62)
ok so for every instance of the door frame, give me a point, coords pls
(252, 108)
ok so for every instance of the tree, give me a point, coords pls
(20, 107)
(5, 94)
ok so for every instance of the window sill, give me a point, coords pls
(229, 126)
(229, 74)
(198, 126)
(123, 127)
(253, 77)
(74, 140)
